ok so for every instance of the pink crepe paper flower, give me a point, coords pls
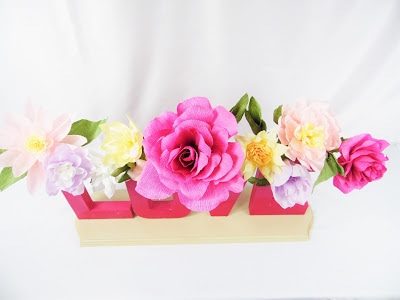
(310, 129)
(362, 160)
(188, 152)
(66, 170)
(292, 186)
(29, 138)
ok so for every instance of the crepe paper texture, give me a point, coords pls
(189, 153)
(362, 160)
(312, 136)
(191, 158)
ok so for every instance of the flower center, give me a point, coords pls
(188, 157)
(259, 153)
(65, 172)
(312, 136)
(35, 144)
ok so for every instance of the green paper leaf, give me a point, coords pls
(120, 170)
(258, 181)
(263, 126)
(2, 151)
(255, 110)
(88, 129)
(253, 125)
(240, 107)
(124, 177)
(277, 114)
(330, 169)
(7, 178)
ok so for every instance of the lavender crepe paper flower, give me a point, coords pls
(292, 186)
(66, 170)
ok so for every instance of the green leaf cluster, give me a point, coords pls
(122, 172)
(251, 109)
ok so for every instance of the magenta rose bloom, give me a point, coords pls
(362, 160)
(188, 152)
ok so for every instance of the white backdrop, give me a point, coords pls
(110, 59)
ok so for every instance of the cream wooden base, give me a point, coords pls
(197, 228)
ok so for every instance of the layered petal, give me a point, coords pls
(189, 153)
(35, 178)
(309, 129)
(363, 161)
(263, 152)
(150, 185)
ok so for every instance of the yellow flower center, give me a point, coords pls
(312, 136)
(259, 153)
(35, 144)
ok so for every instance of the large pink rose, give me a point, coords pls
(188, 152)
(310, 129)
(362, 160)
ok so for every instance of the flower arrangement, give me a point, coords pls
(307, 139)
(29, 144)
(194, 152)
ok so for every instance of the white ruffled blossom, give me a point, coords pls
(101, 178)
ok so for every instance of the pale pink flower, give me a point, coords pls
(28, 139)
(309, 129)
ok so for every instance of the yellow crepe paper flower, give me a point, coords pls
(122, 144)
(262, 152)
